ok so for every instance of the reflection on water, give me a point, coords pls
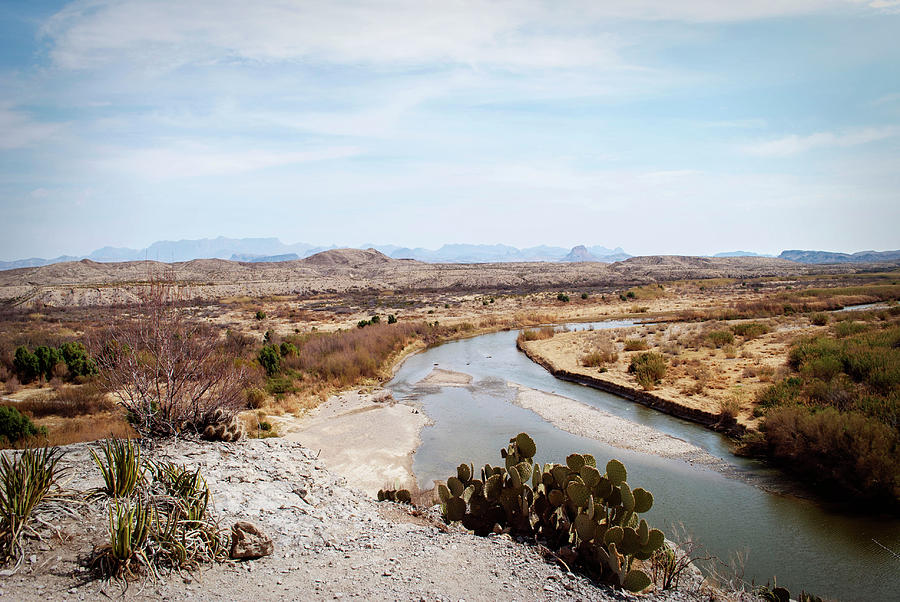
(797, 541)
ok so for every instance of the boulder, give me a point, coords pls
(249, 541)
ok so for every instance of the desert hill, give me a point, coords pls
(90, 283)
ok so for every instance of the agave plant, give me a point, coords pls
(130, 523)
(27, 481)
(122, 470)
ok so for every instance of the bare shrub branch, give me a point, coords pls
(170, 372)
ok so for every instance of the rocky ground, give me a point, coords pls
(331, 542)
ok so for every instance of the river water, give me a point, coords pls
(801, 543)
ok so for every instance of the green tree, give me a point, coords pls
(77, 360)
(26, 364)
(47, 357)
(269, 358)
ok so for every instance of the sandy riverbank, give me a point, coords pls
(365, 437)
(586, 421)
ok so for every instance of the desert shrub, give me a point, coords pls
(720, 338)
(584, 295)
(269, 357)
(392, 319)
(28, 480)
(287, 348)
(538, 334)
(26, 364)
(846, 328)
(15, 426)
(836, 450)
(573, 508)
(363, 323)
(375, 320)
(260, 314)
(562, 297)
(167, 369)
(843, 409)
(635, 344)
(605, 353)
(729, 409)
(278, 386)
(649, 369)
(819, 318)
(256, 397)
(750, 330)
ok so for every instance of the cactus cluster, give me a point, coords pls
(221, 427)
(401, 496)
(588, 517)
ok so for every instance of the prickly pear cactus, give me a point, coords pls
(571, 507)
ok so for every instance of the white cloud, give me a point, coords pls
(19, 130)
(194, 161)
(794, 144)
(523, 34)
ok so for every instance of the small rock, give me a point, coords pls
(249, 541)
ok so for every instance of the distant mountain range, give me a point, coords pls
(829, 257)
(256, 250)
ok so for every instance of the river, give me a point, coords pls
(802, 543)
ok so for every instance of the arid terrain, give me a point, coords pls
(339, 324)
(87, 283)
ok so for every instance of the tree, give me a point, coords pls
(270, 359)
(26, 364)
(170, 372)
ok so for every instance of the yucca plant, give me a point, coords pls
(183, 529)
(123, 469)
(130, 524)
(27, 481)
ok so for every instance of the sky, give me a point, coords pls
(686, 127)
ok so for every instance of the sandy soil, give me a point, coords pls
(699, 377)
(446, 378)
(586, 421)
(365, 437)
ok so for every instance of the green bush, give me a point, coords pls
(635, 344)
(288, 349)
(374, 320)
(584, 295)
(720, 338)
(15, 426)
(269, 357)
(260, 314)
(819, 318)
(648, 368)
(563, 297)
(750, 330)
(392, 319)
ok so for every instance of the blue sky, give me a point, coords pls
(663, 127)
